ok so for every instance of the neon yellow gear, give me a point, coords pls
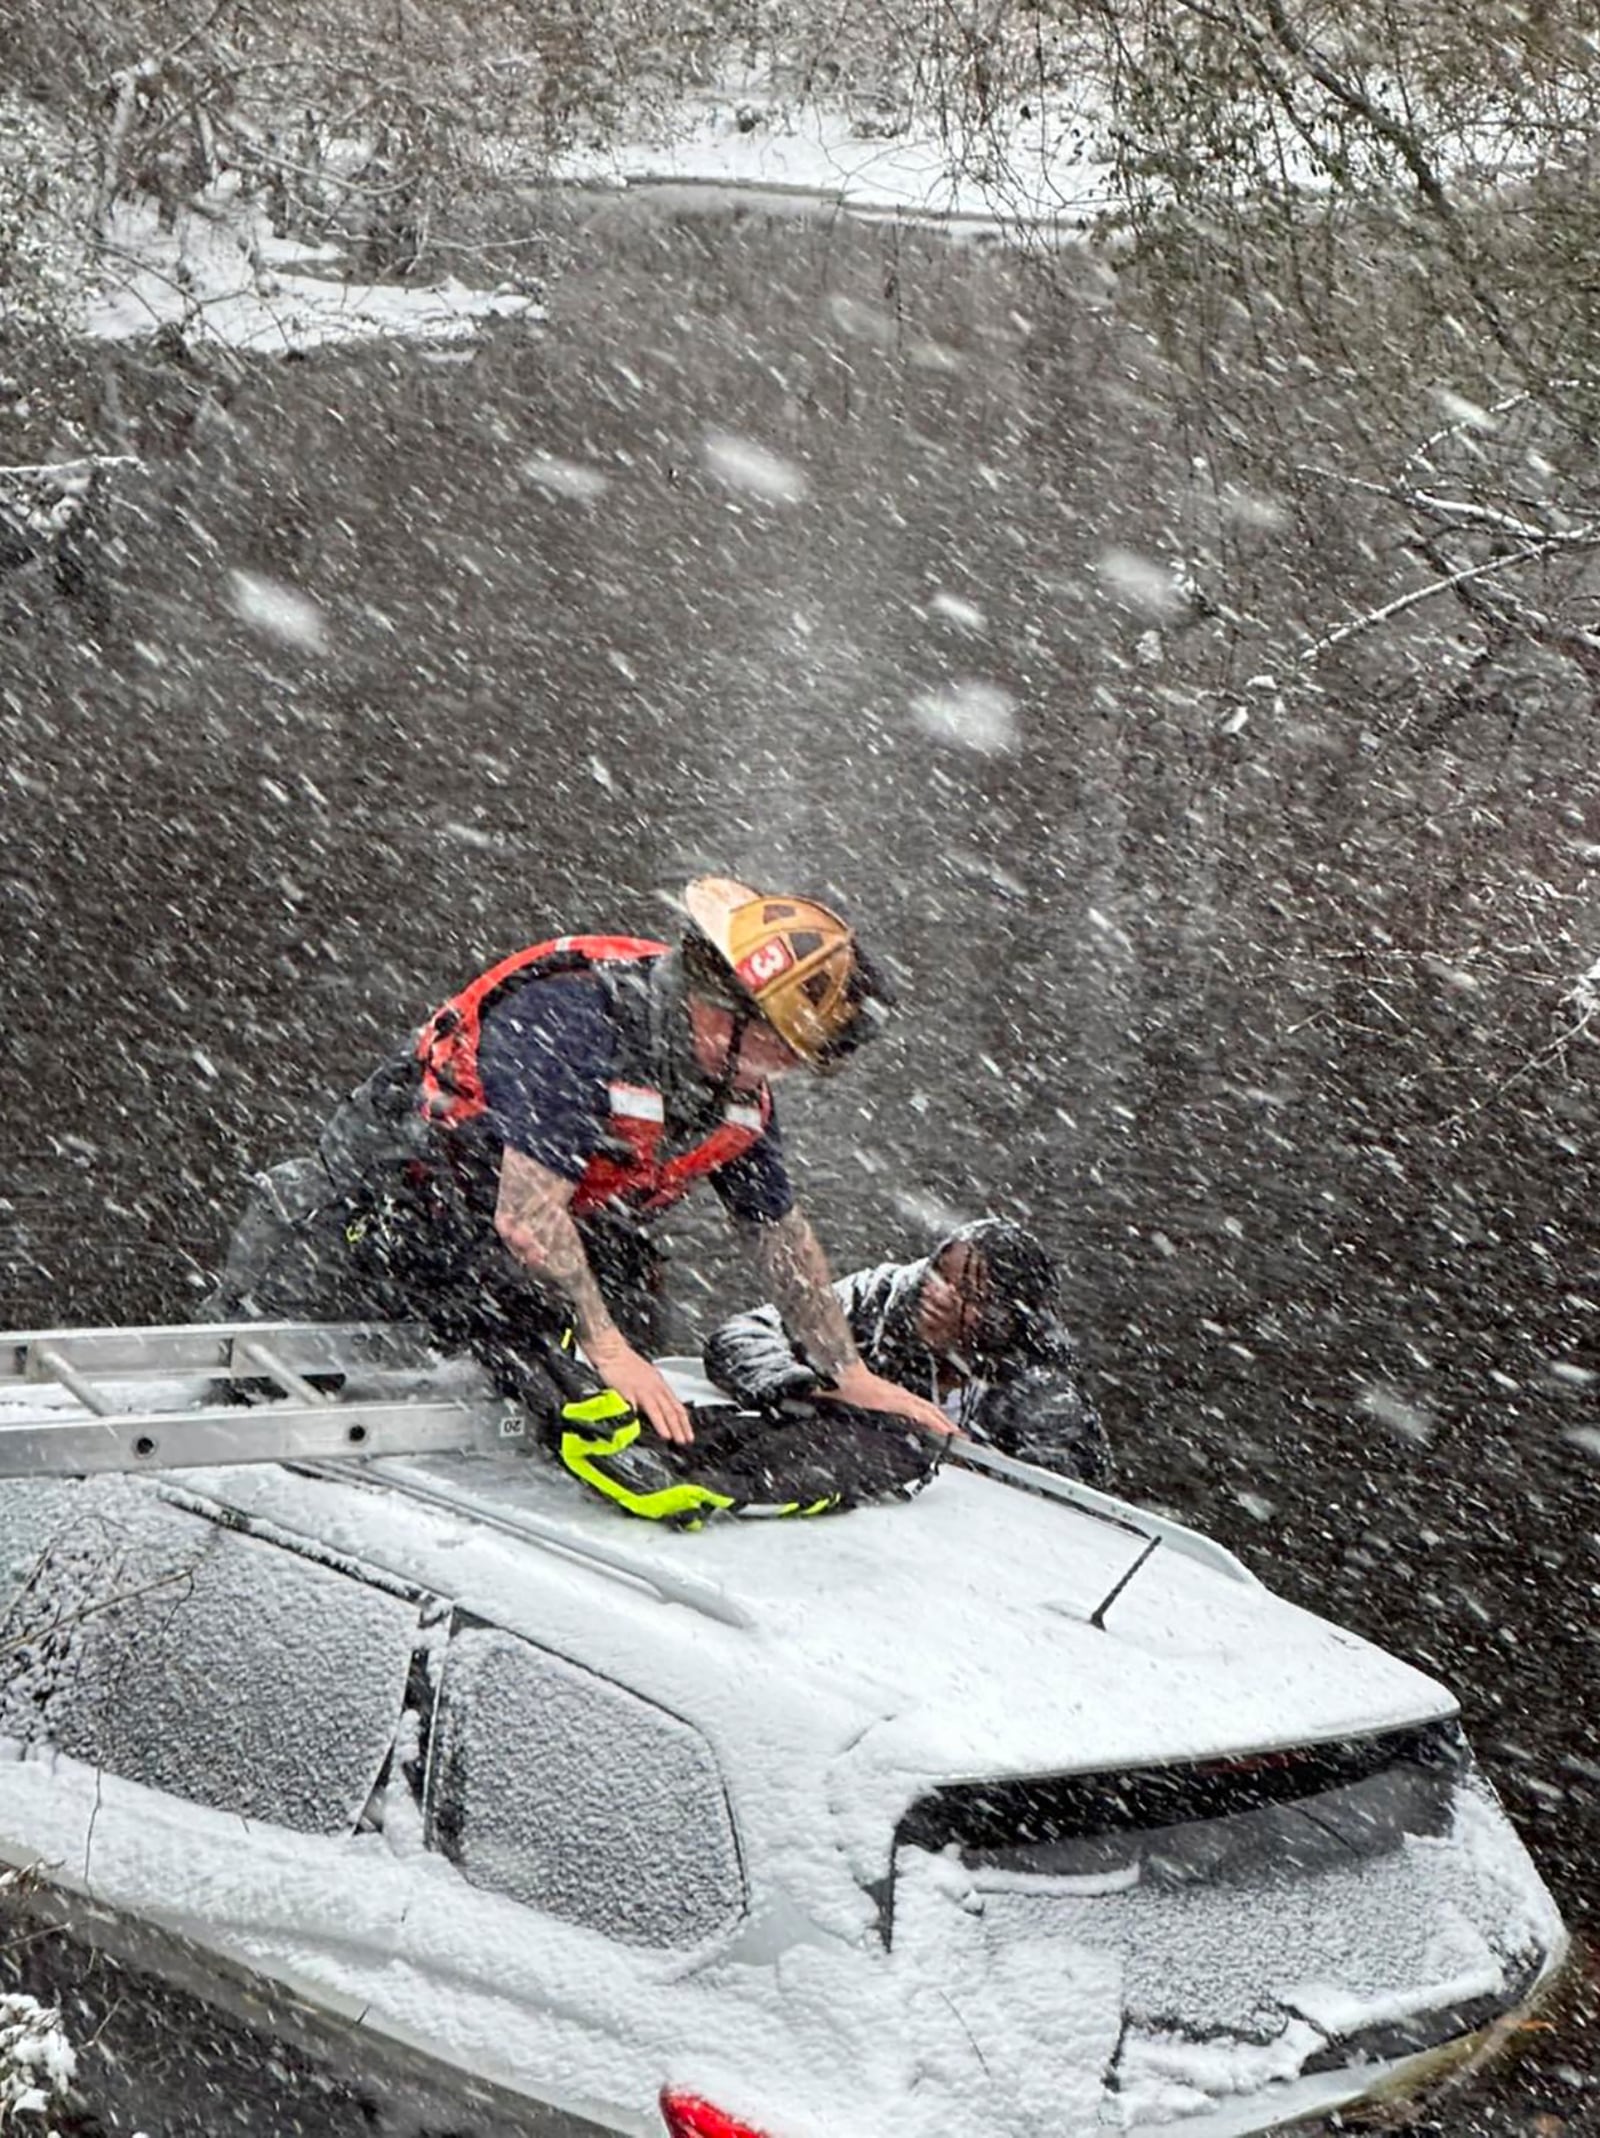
(587, 1447)
(585, 1451)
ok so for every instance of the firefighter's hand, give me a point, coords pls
(622, 1368)
(869, 1391)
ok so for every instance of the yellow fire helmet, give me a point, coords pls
(798, 963)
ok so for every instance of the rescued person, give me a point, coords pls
(971, 1326)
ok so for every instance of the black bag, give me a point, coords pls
(801, 1459)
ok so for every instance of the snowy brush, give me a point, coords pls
(37, 2062)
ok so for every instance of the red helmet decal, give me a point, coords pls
(764, 964)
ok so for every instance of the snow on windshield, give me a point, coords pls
(1227, 1980)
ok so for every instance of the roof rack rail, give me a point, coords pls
(1050, 1485)
(671, 1584)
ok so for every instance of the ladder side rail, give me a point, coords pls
(227, 1434)
(207, 1347)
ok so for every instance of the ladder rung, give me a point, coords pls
(268, 1432)
(53, 1366)
(249, 1353)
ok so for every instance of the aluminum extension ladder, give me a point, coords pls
(70, 1405)
(76, 1401)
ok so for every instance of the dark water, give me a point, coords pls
(1261, 1029)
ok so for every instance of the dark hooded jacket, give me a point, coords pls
(1029, 1401)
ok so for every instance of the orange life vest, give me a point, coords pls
(630, 1172)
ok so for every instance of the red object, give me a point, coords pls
(687, 2116)
(765, 964)
(633, 1173)
(643, 1181)
(447, 1045)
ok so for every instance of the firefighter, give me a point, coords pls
(498, 1183)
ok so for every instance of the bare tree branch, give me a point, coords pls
(1586, 537)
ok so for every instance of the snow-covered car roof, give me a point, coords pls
(947, 1639)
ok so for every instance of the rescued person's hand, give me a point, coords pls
(857, 1384)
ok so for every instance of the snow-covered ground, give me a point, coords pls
(1041, 168)
(222, 274)
(37, 2062)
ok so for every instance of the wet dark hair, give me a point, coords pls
(1021, 1281)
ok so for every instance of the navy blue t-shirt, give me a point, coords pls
(544, 1059)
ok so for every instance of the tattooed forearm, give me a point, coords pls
(532, 1218)
(795, 1271)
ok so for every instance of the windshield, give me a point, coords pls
(1275, 1814)
(1182, 1936)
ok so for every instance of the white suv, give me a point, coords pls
(1011, 1811)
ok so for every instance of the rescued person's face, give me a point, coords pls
(951, 1303)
